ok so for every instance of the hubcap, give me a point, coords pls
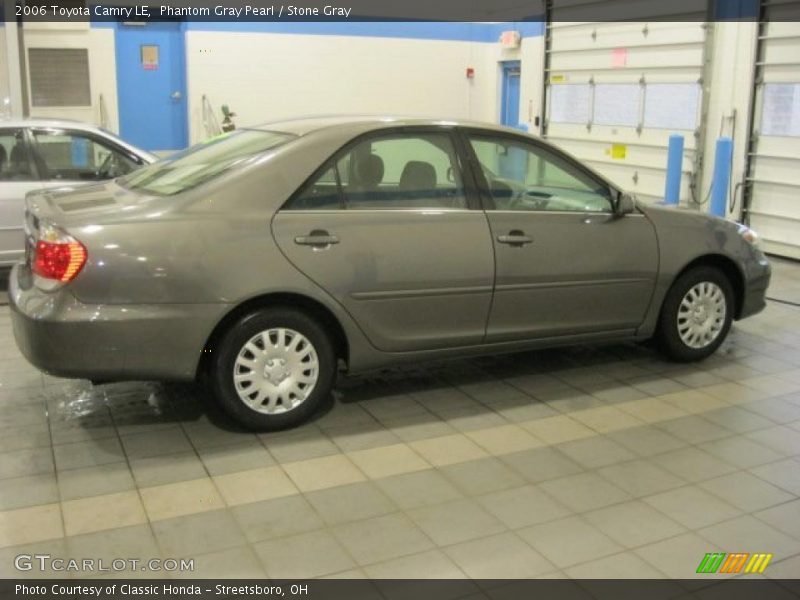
(276, 371)
(701, 314)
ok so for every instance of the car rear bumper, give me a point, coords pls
(754, 298)
(66, 338)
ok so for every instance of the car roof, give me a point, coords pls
(305, 125)
(75, 125)
(40, 122)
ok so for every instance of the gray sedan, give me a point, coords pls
(264, 261)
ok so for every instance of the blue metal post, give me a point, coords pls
(672, 190)
(722, 176)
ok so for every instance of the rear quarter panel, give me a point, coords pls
(212, 245)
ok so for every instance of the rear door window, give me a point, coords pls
(15, 163)
(78, 156)
(398, 171)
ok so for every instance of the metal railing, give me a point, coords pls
(210, 122)
(103, 112)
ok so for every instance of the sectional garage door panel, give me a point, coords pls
(773, 190)
(623, 68)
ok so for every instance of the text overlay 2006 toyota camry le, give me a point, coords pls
(265, 260)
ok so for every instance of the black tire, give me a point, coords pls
(668, 338)
(223, 362)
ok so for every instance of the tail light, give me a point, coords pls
(57, 256)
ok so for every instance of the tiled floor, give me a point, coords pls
(582, 462)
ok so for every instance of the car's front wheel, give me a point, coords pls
(273, 368)
(696, 315)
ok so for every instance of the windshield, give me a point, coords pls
(203, 162)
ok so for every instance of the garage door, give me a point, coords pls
(772, 202)
(616, 92)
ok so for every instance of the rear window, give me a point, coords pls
(203, 162)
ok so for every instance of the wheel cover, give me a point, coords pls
(276, 371)
(701, 314)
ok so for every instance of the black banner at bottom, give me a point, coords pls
(394, 589)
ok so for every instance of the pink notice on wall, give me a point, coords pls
(619, 57)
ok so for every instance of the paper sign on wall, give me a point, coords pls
(569, 103)
(616, 104)
(619, 58)
(780, 114)
(617, 151)
(671, 105)
(150, 58)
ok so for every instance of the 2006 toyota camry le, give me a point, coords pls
(265, 260)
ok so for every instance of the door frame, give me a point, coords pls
(507, 67)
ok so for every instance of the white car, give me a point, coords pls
(45, 153)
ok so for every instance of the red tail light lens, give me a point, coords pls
(58, 256)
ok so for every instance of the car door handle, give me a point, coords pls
(514, 238)
(317, 239)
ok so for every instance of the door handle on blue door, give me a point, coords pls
(515, 237)
(317, 238)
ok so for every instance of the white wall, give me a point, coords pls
(102, 68)
(732, 71)
(265, 76)
(5, 92)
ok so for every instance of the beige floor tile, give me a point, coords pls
(504, 439)
(606, 418)
(254, 485)
(569, 541)
(503, 556)
(633, 523)
(734, 393)
(178, 499)
(425, 565)
(618, 566)
(325, 472)
(555, 430)
(98, 513)
(773, 385)
(692, 401)
(301, 556)
(651, 410)
(448, 450)
(32, 524)
(388, 460)
(678, 556)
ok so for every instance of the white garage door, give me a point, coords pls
(773, 190)
(617, 91)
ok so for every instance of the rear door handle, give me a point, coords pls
(514, 238)
(317, 238)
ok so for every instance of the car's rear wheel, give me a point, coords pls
(696, 315)
(273, 368)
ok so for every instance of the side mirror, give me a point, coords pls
(625, 204)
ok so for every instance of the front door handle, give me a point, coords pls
(514, 237)
(317, 238)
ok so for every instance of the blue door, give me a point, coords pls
(509, 112)
(512, 164)
(151, 85)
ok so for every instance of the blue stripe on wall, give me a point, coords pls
(423, 30)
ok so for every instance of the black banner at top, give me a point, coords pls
(482, 11)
